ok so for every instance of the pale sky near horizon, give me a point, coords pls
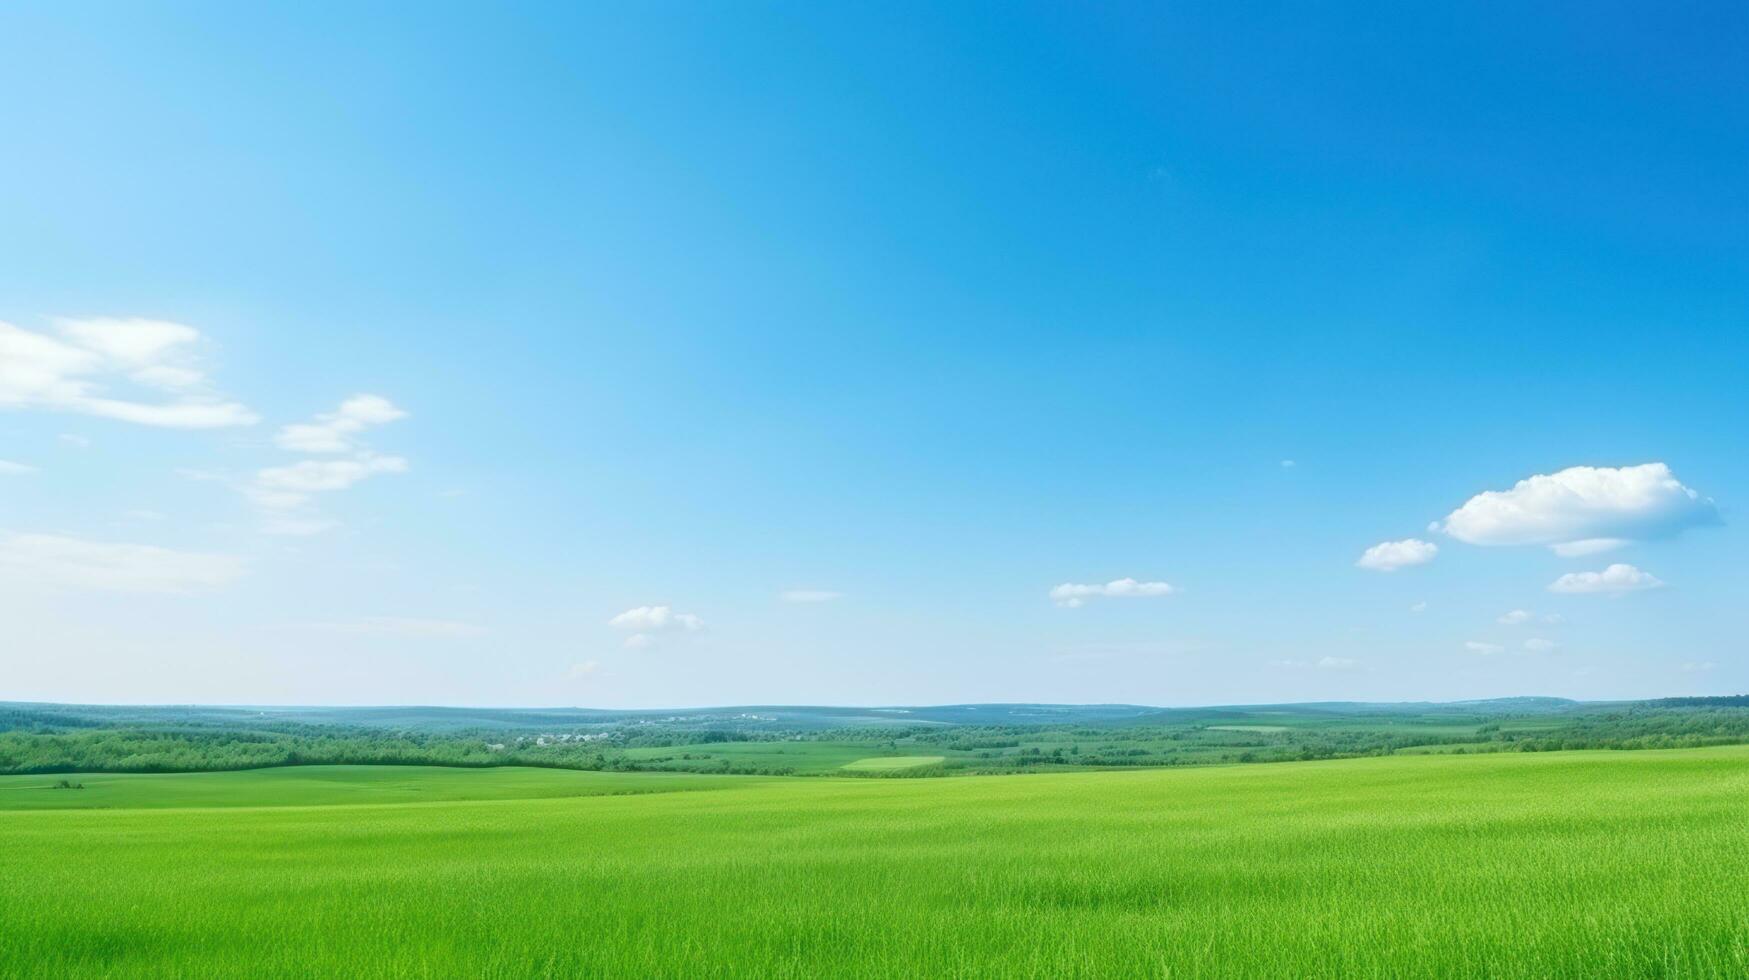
(669, 355)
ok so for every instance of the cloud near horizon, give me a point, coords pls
(644, 622)
(1070, 595)
(1582, 510)
(75, 369)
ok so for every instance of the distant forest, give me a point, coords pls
(815, 741)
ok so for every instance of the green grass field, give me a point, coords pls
(332, 785)
(1575, 864)
(889, 763)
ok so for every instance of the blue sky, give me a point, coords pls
(661, 312)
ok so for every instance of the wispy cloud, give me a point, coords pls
(1485, 649)
(61, 562)
(400, 626)
(77, 368)
(338, 431)
(1071, 595)
(809, 595)
(9, 468)
(285, 493)
(1322, 663)
(1388, 556)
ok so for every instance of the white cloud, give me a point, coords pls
(1419, 607)
(1485, 649)
(58, 561)
(1698, 666)
(9, 468)
(1616, 578)
(809, 595)
(1515, 617)
(1388, 556)
(336, 431)
(1582, 510)
(324, 475)
(75, 369)
(284, 493)
(584, 669)
(1288, 464)
(639, 641)
(402, 626)
(77, 442)
(656, 619)
(1070, 595)
(1322, 663)
(1554, 619)
(1537, 644)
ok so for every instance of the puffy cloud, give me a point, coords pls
(1071, 595)
(336, 431)
(1388, 556)
(656, 619)
(1616, 578)
(1515, 617)
(584, 669)
(1582, 510)
(1288, 464)
(1537, 644)
(643, 622)
(9, 468)
(74, 369)
(1419, 607)
(1485, 649)
(809, 595)
(64, 562)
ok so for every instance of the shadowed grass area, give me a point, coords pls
(1575, 864)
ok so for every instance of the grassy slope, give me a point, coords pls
(331, 785)
(1568, 864)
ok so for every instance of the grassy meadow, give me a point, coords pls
(1570, 864)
